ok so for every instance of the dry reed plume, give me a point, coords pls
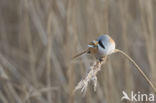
(38, 38)
(91, 75)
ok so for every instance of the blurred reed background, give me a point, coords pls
(39, 37)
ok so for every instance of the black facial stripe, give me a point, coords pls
(100, 43)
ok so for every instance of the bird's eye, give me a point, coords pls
(101, 44)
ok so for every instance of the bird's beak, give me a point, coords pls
(93, 44)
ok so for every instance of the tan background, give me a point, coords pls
(39, 37)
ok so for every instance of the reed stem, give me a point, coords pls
(80, 54)
(139, 69)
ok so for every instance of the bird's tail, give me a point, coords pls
(80, 54)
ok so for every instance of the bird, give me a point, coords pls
(104, 45)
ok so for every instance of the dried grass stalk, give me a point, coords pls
(139, 69)
(91, 76)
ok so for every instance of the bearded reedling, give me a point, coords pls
(100, 49)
